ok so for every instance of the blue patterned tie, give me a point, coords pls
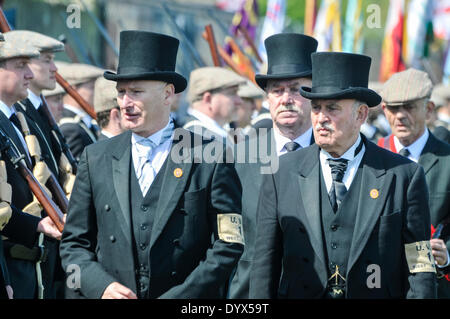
(144, 146)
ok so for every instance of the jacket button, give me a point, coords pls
(333, 245)
(144, 208)
(174, 273)
(112, 238)
(176, 241)
(107, 208)
(334, 227)
(143, 227)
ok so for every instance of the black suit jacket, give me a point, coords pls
(187, 259)
(76, 133)
(290, 260)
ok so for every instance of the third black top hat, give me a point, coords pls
(148, 56)
(339, 75)
(288, 57)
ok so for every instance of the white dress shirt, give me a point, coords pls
(303, 140)
(352, 165)
(34, 99)
(157, 156)
(415, 148)
(208, 122)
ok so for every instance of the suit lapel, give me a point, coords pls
(428, 157)
(374, 189)
(121, 163)
(308, 180)
(172, 189)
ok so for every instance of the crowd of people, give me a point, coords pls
(307, 181)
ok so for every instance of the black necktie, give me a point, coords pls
(405, 152)
(291, 146)
(338, 189)
(13, 118)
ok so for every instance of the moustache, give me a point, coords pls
(288, 107)
(326, 126)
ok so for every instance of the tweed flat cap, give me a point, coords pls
(78, 73)
(105, 95)
(205, 79)
(406, 86)
(17, 49)
(250, 91)
(38, 40)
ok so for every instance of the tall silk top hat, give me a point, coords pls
(288, 57)
(338, 75)
(147, 56)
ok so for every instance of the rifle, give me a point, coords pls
(248, 71)
(57, 132)
(4, 27)
(19, 164)
(251, 43)
(209, 37)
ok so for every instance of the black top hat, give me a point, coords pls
(148, 56)
(288, 57)
(338, 75)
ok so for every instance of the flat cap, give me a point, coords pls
(406, 86)
(17, 49)
(105, 95)
(78, 73)
(205, 79)
(250, 91)
(38, 40)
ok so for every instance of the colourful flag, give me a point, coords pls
(391, 56)
(273, 23)
(327, 30)
(353, 41)
(441, 19)
(310, 16)
(418, 24)
(446, 77)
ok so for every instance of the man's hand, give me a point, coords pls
(439, 251)
(118, 291)
(48, 228)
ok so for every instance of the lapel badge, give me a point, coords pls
(178, 172)
(374, 193)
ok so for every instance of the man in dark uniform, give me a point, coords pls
(289, 57)
(23, 255)
(107, 109)
(44, 69)
(343, 218)
(77, 126)
(407, 106)
(143, 222)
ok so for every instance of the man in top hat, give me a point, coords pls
(214, 101)
(44, 70)
(107, 109)
(23, 255)
(289, 68)
(78, 127)
(343, 218)
(148, 217)
(407, 105)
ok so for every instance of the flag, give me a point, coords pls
(441, 19)
(446, 77)
(353, 41)
(273, 23)
(310, 16)
(327, 30)
(229, 5)
(391, 56)
(418, 23)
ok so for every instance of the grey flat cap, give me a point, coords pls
(38, 40)
(105, 95)
(406, 86)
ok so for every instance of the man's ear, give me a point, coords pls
(429, 109)
(206, 97)
(169, 93)
(362, 113)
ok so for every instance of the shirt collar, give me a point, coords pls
(303, 140)
(349, 154)
(106, 133)
(415, 148)
(213, 125)
(83, 115)
(34, 99)
(155, 137)
(7, 110)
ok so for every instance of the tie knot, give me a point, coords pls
(291, 146)
(338, 168)
(405, 152)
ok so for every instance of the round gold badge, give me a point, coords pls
(374, 193)
(178, 172)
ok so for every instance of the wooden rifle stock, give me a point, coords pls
(251, 43)
(4, 27)
(212, 45)
(248, 71)
(58, 193)
(47, 203)
(54, 126)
